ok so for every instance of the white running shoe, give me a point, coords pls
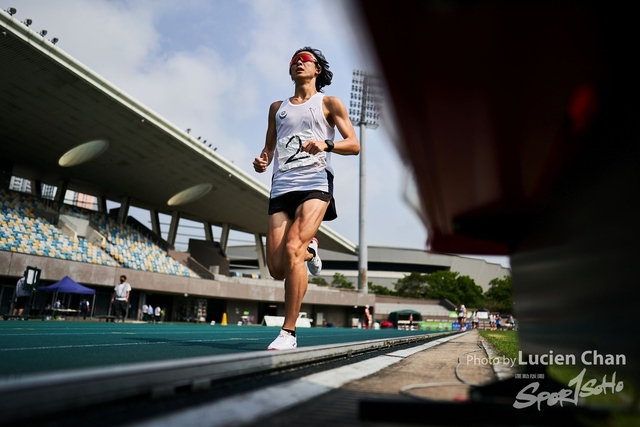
(315, 263)
(284, 341)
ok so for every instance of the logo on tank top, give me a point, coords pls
(283, 114)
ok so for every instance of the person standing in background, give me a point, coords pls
(367, 317)
(22, 295)
(120, 298)
(150, 318)
(84, 308)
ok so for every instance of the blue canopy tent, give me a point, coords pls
(69, 286)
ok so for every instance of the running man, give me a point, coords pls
(300, 138)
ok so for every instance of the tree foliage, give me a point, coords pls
(412, 286)
(340, 281)
(441, 285)
(319, 281)
(380, 290)
(499, 296)
(455, 288)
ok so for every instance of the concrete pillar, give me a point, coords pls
(62, 191)
(123, 213)
(224, 237)
(208, 234)
(102, 204)
(36, 187)
(173, 228)
(155, 222)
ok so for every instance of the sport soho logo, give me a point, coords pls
(578, 387)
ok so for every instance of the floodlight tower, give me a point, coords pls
(364, 111)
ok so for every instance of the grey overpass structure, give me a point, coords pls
(386, 264)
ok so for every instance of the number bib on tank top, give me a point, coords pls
(289, 151)
(294, 169)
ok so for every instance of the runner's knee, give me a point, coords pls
(276, 270)
(295, 251)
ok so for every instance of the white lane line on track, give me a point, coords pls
(250, 406)
(136, 343)
(140, 333)
(122, 344)
(143, 333)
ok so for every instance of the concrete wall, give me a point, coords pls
(479, 270)
(236, 309)
(332, 314)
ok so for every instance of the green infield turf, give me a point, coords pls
(36, 347)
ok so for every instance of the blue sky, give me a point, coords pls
(215, 66)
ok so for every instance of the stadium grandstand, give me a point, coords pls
(73, 143)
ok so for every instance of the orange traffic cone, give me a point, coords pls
(224, 319)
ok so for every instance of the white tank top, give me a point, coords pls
(296, 170)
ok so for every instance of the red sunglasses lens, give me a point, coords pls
(305, 57)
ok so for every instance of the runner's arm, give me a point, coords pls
(262, 162)
(340, 117)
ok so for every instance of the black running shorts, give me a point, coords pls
(289, 202)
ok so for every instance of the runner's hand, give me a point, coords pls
(314, 147)
(260, 164)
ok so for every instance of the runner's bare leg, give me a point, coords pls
(308, 218)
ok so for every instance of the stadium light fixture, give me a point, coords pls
(11, 11)
(84, 153)
(190, 194)
(54, 40)
(43, 33)
(27, 22)
(188, 130)
(364, 111)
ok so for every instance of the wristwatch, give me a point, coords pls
(329, 145)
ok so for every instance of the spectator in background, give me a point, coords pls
(498, 322)
(120, 298)
(84, 308)
(21, 298)
(367, 317)
(157, 313)
(462, 317)
(150, 314)
(475, 320)
(145, 312)
(512, 322)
